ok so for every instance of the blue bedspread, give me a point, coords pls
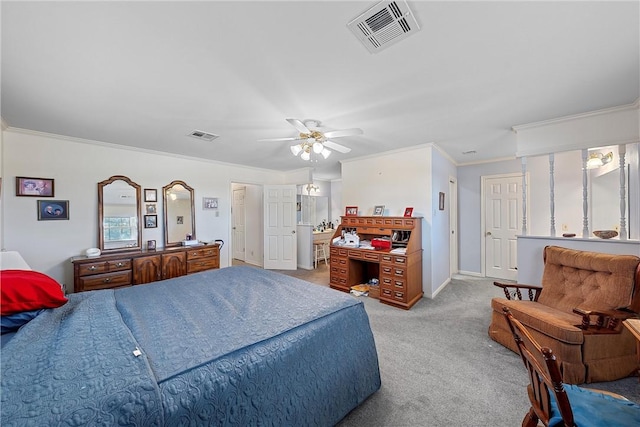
(235, 346)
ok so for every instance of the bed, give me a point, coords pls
(234, 346)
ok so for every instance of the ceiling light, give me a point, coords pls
(325, 153)
(305, 155)
(597, 159)
(296, 149)
(318, 147)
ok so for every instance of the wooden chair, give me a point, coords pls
(556, 404)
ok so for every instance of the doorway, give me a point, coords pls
(453, 226)
(502, 218)
(246, 232)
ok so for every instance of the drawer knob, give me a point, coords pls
(93, 267)
(107, 280)
(120, 264)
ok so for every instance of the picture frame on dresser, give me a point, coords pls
(151, 245)
(378, 210)
(34, 187)
(408, 212)
(150, 195)
(351, 211)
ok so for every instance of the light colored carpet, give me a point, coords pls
(440, 368)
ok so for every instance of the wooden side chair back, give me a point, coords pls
(545, 379)
(556, 404)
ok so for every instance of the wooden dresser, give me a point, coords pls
(399, 271)
(135, 268)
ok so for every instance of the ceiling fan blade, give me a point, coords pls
(344, 132)
(337, 147)
(299, 125)
(277, 139)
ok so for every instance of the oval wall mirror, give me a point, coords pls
(119, 207)
(179, 213)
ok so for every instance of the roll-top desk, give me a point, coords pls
(398, 271)
(135, 268)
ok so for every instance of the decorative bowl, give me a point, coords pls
(605, 234)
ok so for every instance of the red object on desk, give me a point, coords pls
(381, 243)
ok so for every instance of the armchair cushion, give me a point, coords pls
(595, 281)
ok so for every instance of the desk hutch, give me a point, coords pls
(400, 274)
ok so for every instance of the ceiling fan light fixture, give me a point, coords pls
(325, 153)
(305, 156)
(318, 147)
(296, 149)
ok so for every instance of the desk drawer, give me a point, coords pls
(337, 251)
(107, 280)
(369, 256)
(394, 259)
(355, 254)
(338, 270)
(339, 261)
(201, 253)
(196, 265)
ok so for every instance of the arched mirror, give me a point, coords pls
(179, 213)
(119, 225)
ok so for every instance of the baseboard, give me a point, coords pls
(441, 287)
(468, 273)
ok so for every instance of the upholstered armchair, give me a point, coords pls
(577, 312)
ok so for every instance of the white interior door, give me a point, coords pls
(503, 216)
(238, 227)
(280, 240)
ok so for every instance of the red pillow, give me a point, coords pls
(24, 290)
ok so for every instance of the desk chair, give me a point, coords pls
(556, 404)
(319, 250)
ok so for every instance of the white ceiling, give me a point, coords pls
(146, 74)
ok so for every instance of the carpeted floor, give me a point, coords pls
(440, 368)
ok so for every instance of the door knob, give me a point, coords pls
(488, 233)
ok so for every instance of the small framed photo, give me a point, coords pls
(150, 221)
(34, 187)
(209, 203)
(51, 210)
(408, 211)
(351, 211)
(180, 220)
(441, 201)
(151, 245)
(150, 195)
(378, 210)
(151, 208)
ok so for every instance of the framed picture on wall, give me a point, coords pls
(378, 210)
(351, 211)
(150, 221)
(150, 195)
(34, 187)
(151, 208)
(209, 203)
(408, 211)
(51, 210)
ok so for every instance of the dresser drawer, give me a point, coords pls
(201, 253)
(338, 270)
(394, 259)
(202, 264)
(106, 280)
(104, 267)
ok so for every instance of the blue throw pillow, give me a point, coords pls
(593, 409)
(12, 322)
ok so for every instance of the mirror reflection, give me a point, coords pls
(119, 214)
(179, 213)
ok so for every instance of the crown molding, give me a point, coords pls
(633, 106)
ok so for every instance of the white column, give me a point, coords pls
(622, 150)
(552, 206)
(585, 193)
(524, 196)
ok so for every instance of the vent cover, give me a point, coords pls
(384, 24)
(203, 135)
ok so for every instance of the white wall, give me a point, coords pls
(77, 166)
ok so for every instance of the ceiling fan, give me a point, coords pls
(314, 140)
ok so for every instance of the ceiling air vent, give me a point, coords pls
(203, 135)
(384, 24)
